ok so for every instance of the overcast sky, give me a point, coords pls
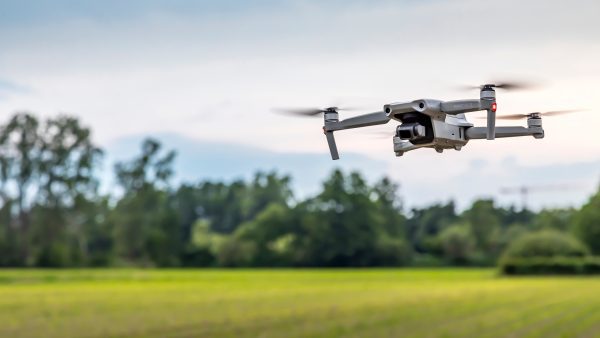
(210, 73)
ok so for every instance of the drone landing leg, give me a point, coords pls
(332, 146)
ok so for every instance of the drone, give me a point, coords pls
(428, 123)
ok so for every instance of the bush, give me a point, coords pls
(457, 244)
(587, 224)
(235, 252)
(545, 244)
(392, 252)
(550, 266)
(427, 261)
(547, 252)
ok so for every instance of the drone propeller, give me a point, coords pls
(310, 111)
(505, 85)
(330, 114)
(548, 113)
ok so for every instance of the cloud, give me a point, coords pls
(200, 160)
(9, 86)
(212, 71)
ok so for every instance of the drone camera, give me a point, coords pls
(411, 131)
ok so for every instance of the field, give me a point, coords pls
(295, 303)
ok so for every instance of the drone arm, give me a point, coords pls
(475, 133)
(365, 120)
(331, 125)
(460, 106)
(487, 102)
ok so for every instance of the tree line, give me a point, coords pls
(53, 215)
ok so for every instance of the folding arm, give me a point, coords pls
(460, 106)
(332, 125)
(487, 102)
(475, 133)
(365, 120)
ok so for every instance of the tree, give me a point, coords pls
(66, 189)
(266, 189)
(19, 163)
(485, 221)
(222, 205)
(385, 195)
(145, 220)
(46, 170)
(267, 231)
(457, 243)
(557, 219)
(340, 226)
(586, 225)
(426, 223)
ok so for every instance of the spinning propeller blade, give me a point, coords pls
(330, 114)
(548, 113)
(310, 111)
(299, 111)
(505, 85)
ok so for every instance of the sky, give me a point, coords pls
(204, 76)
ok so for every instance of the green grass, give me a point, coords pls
(295, 303)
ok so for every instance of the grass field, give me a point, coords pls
(295, 303)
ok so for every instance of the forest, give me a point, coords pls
(52, 214)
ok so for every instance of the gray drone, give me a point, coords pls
(428, 123)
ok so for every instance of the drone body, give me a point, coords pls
(443, 125)
(435, 124)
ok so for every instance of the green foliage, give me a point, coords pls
(343, 226)
(46, 174)
(550, 265)
(235, 252)
(52, 215)
(457, 243)
(144, 219)
(270, 233)
(485, 220)
(546, 243)
(426, 223)
(392, 251)
(504, 237)
(557, 219)
(587, 223)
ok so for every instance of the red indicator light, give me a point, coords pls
(494, 107)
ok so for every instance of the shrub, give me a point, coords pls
(235, 252)
(550, 266)
(547, 252)
(391, 251)
(546, 243)
(587, 224)
(457, 244)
